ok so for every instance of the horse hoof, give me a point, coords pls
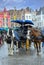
(37, 54)
(10, 54)
(40, 53)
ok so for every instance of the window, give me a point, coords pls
(26, 17)
(3, 22)
(7, 21)
(29, 17)
(23, 17)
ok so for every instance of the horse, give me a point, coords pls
(37, 38)
(9, 40)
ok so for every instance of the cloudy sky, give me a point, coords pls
(10, 4)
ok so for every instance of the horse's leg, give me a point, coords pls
(37, 48)
(40, 47)
(10, 43)
(11, 46)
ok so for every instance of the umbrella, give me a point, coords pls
(23, 21)
(28, 22)
(6, 29)
(1, 29)
(17, 21)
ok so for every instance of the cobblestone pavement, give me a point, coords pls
(23, 58)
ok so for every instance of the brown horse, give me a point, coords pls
(36, 37)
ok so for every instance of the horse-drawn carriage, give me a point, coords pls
(26, 33)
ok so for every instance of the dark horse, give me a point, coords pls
(37, 38)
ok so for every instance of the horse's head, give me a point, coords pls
(34, 33)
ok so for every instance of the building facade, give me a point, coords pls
(40, 18)
(5, 18)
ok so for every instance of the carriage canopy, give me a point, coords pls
(23, 21)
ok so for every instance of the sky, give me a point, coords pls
(11, 4)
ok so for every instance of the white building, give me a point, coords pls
(36, 16)
(40, 19)
(28, 16)
(31, 16)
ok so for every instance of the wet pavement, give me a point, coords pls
(23, 58)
